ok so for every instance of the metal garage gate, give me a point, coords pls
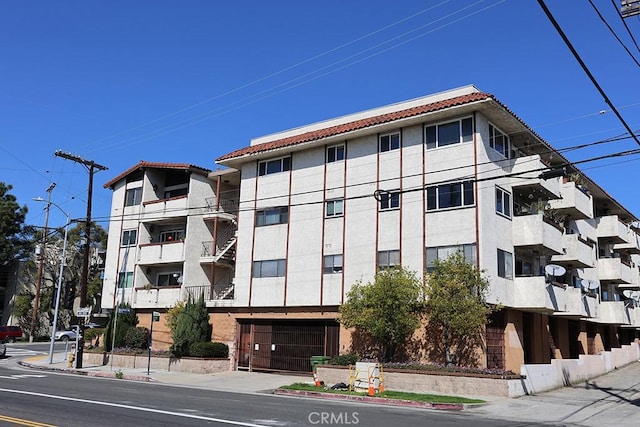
(286, 345)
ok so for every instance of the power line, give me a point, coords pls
(301, 80)
(586, 69)
(604, 21)
(412, 189)
(615, 6)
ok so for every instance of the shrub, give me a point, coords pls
(344, 360)
(192, 326)
(137, 338)
(209, 349)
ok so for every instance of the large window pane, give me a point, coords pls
(448, 133)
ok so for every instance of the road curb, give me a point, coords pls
(370, 399)
(98, 374)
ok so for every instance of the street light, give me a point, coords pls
(62, 262)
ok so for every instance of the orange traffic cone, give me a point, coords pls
(316, 379)
(372, 390)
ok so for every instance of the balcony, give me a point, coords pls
(156, 296)
(614, 313)
(156, 211)
(537, 232)
(527, 184)
(223, 290)
(575, 203)
(220, 208)
(535, 294)
(632, 245)
(610, 228)
(579, 304)
(614, 270)
(577, 251)
(161, 253)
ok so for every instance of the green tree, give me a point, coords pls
(122, 322)
(456, 306)
(387, 309)
(12, 216)
(192, 326)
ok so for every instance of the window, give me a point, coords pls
(334, 208)
(443, 252)
(272, 216)
(133, 196)
(449, 133)
(335, 153)
(274, 166)
(176, 190)
(168, 279)
(500, 142)
(125, 280)
(332, 264)
(171, 235)
(390, 142)
(503, 202)
(388, 259)
(389, 200)
(271, 268)
(450, 195)
(129, 237)
(505, 264)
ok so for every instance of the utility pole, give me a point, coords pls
(36, 301)
(91, 167)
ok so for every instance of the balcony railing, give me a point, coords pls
(220, 208)
(536, 231)
(160, 210)
(577, 251)
(535, 293)
(575, 202)
(222, 290)
(614, 270)
(610, 227)
(161, 253)
(614, 313)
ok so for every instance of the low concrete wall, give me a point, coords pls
(424, 382)
(537, 378)
(184, 364)
(562, 373)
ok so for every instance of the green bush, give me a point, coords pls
(192, 326)
(209, 349)
(137, 338)
(344, 360)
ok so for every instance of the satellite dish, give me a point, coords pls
(554, 270)
(590, 284)
(627, 293)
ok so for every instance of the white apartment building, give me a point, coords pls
(277, 239)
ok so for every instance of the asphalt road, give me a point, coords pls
(31, 397)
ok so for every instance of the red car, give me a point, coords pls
(10, 333)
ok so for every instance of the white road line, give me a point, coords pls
(135, 408)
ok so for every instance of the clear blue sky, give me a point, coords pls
(121, 81)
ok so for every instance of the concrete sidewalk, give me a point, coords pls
(232, 381)
(612, 399)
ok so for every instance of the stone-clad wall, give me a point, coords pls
(192, 365)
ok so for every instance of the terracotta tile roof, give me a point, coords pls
(358, 124)
(142, 164)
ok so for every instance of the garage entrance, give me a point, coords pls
(274, 345)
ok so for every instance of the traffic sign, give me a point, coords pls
(83, 311)
(156, 316)
(124, 310)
